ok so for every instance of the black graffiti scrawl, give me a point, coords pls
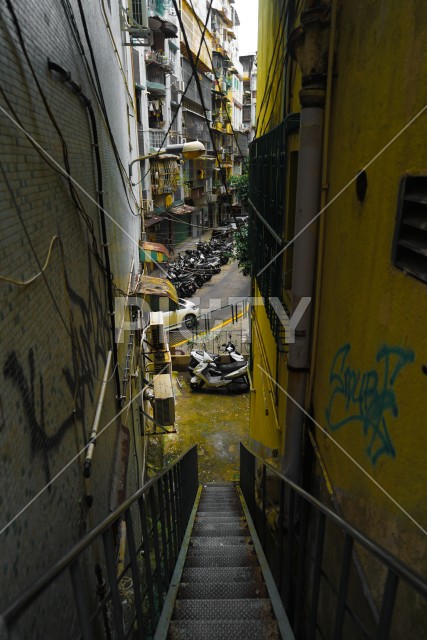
(88, 335)
(40, 441)
(88, 343)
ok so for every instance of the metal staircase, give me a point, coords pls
(222, 593)
(193, 567)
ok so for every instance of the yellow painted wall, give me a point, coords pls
(192, 28)
(268, 403)
(372, 400)
(375, 314)
(265, 416)
(270, 62)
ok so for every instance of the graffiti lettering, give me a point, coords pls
(40, 441)
(88, 345)
(367, 398)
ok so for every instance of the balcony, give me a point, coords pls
(161, 59)
(165, 172)
(156, 83)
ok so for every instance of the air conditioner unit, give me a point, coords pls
(137, 19)
(180, 86)
(164, 400)
(156, 337)
(148, 205)
(209, 115)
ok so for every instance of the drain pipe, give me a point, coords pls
(308, 45)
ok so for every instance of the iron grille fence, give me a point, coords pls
(267, 174)
(149, 528)
(334, 581)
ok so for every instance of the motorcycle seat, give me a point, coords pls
(231, 366)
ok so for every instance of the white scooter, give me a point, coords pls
(197, 355)
(233, 376)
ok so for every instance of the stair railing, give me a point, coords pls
(88, 593)
(310, 550)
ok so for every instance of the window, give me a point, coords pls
(409, 251)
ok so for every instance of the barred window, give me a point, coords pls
(267, 227)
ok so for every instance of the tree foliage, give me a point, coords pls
(241, 248)
(241, 185)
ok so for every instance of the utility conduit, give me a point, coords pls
(87, 467)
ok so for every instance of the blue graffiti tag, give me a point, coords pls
(366, 398)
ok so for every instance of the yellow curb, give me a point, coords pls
(223, 324)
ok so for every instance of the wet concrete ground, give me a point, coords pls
(214, 420)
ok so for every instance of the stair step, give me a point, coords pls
(219, 505)
(219, 541)
(218, 529)
(223, 630)
(217, 491)
(227, 517)
(237, 609)
(220, 590)
(219, 485)
(220, 512)
(227, 575)
(221, 557)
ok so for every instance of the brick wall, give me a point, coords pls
(55, 332)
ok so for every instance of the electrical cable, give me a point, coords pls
(88, 221)
(61, 172)
(28, 236)
(217, 78)
(113, 42)
(104, 109)
(51, 116)
(66, 76)
(24, 283)
(199, 89)
(193, 71)
(278, 41)
(283, 67)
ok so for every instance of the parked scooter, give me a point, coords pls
(198, 354)
(233, 376)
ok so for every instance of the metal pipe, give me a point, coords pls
(323, 195)
(309, 48)
(87, 466)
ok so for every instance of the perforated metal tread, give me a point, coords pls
(216, 529)
(220, 516)
(220, 574)
(226, 557)
(220, 630)
(220, 609)
(221, 590)
(222, 594)
(219, 541)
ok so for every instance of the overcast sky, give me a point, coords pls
(248, 31)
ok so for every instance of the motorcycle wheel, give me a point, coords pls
(238, 387)
(195, 386)
(190, 321)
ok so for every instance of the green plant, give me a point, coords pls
(241, 185)
(241, 248)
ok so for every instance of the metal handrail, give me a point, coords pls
(166, 500)
(288, 558)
